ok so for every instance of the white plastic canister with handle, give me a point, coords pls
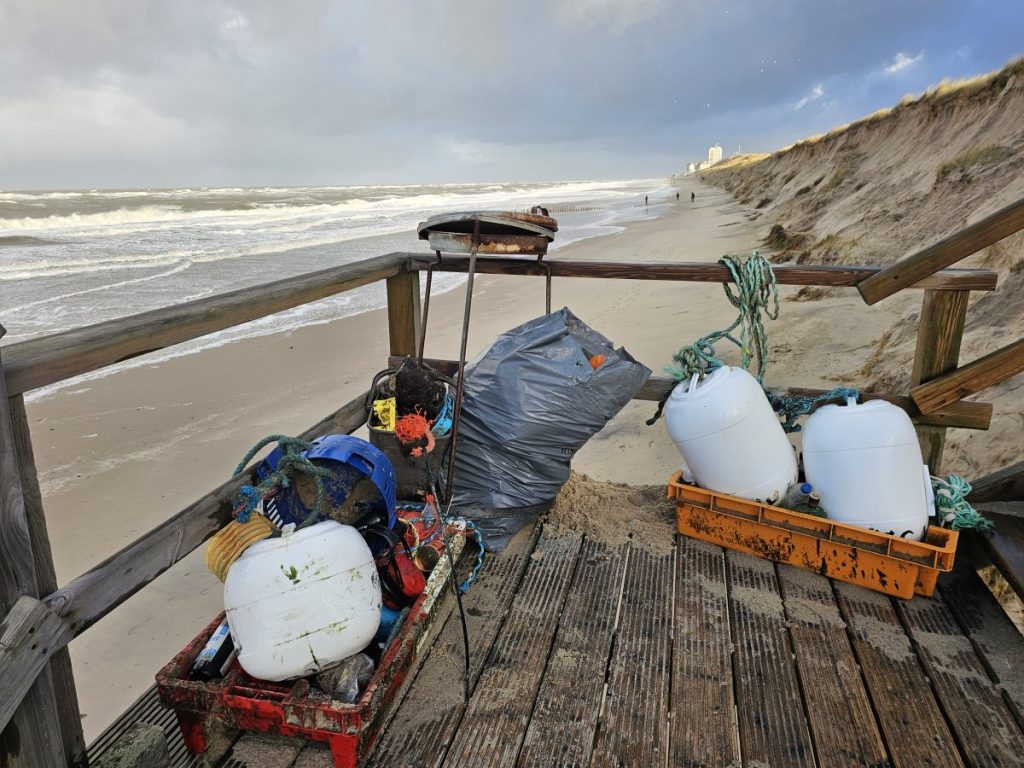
(730, 438)
(864, 461)
(302, 602)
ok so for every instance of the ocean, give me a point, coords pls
(75, 257)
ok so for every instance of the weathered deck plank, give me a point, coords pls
(704, 726)
(773, 728)
(430, 713)
(999, 644)
(663, 630)
(984, 726)
(914, 729)
(564, 720)
(495, 722)
(634, 724)
(833, 689)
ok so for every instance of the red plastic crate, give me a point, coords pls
(295, 708)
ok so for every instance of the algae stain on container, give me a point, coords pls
(289, 625)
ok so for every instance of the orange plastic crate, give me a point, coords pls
(849, 553)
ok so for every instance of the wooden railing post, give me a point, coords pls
(404, 313)
(46, 582)
(33, 737)
(939, 334)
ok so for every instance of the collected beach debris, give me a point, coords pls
(531, 402)
(862, 463)
(410, 417)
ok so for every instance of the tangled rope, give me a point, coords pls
(793, 407)
(952, 507)
(292, 461)
(756, 295)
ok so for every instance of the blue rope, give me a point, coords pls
(292, 461)
(443, 422)
(479, 562)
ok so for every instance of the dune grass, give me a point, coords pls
(982, 157)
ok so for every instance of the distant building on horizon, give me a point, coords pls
(715, 154)
(691, 167)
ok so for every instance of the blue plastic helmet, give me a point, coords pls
(355, 459)
(368, 459)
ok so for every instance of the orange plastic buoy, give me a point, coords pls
(597, 361)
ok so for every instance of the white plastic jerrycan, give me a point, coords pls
(302, 602)
(865, 462)
(729, 436)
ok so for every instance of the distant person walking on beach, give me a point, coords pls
(645, 199)
(693, 196)
(677, 197)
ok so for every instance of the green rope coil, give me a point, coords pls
(756, 296)
(952, 507)
(293, 461)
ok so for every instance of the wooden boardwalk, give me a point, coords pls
(590, 655)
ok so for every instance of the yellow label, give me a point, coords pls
(385, 412)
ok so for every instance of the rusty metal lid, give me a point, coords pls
(491, 223)
(500, 232)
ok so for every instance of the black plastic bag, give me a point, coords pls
(531, 402)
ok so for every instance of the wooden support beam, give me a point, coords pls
(404, 313)
(970, 379)
(700, 272)
(32, 737)
(939, 333)
(1007, 484)
(88, 598)
(922, 264)
(28, 635)
(38, 362)
(61, 673)
(962, 414)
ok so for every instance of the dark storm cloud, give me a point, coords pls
(128, 92)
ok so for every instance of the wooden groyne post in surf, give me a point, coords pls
(39, 716)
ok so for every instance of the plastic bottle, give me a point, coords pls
(345, 680)
(798, 493)
(216, 657)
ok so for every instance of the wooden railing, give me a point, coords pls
(39, 715)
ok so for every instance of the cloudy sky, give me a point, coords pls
(113, 93)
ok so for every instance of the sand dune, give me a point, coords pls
(872, 191)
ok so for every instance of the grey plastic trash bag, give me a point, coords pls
(530, 402)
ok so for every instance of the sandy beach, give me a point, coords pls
(119, 454)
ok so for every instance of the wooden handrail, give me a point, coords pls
(62, 616)
(48, 360)
(970, 379)
(919, 266)
(963, 414)
(700, 272)
(94, 594)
